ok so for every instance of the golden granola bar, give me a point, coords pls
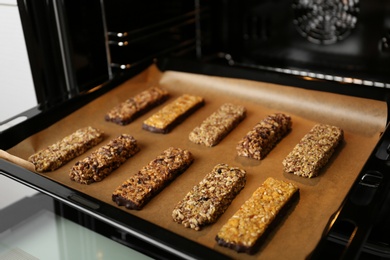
(313, 151)
(103, 161)
(134, 107)
(135, 192)
(71, 146)
(264, 136)
(164, 120)
(210, 198)
(214, 128)
(248, 227)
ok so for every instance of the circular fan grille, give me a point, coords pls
(325, 21)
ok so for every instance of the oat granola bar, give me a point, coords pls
(259, 141)
(134, 107)
(214, 128)
(103, 161)
(136, 191)
(164, 120)
(313, 151)
(71, 146)
(249, 226)
(210, 198)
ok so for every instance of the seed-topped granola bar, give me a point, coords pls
(71, 146)
(214, 128)
(313, 151)
(134, 107)
(210, 198)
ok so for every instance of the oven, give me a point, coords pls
(319, 60)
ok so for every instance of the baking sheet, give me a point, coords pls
(297, 235)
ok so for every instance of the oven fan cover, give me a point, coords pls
(325, 21)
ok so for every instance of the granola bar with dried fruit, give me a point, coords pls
(140, 188)
(264, 136)
(103, 161)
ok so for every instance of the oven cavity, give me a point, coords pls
(325, 21)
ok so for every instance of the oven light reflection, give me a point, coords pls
(357, 81)
(328, 77)
(368, 83)
(348, 80)
(308, 78)
(313, 76)
(379, 84)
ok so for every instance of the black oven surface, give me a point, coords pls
(339, 38)
(345, 49)
(342, 45)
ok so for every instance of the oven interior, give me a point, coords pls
(342, 46)
(85, 48)
(334, 41)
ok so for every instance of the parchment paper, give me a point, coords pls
(297, 235)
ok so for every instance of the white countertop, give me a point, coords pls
(16, 86)
(17, 93)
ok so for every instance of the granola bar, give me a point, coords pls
(264, 136)
(214, 128)
(135, 192)
(103, 161)
(210, 198)
(71, 146)
(134, 107)
(313, 151)
(164, 120)
(249, 226)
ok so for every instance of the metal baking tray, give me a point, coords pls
(295, 237)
